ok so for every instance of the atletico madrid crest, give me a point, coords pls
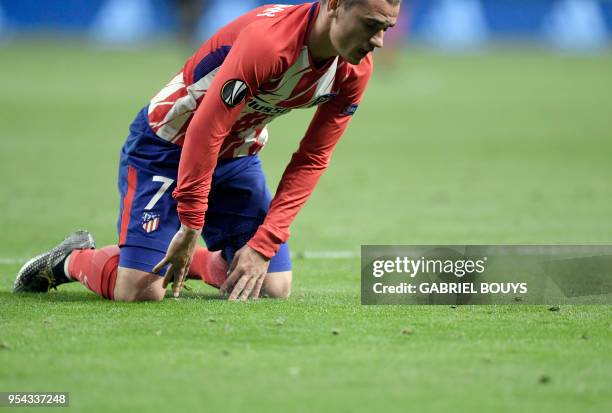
(150, 222)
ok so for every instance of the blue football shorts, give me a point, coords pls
(238, 202)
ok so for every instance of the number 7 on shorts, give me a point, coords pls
(166, 182)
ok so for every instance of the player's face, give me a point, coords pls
(357, 30)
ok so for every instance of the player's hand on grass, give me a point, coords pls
(246, 274)
(178, 257)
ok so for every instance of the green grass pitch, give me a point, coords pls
(507, 146)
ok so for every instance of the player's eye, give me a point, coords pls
(371, 25)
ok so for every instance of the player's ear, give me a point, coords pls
(333, 6)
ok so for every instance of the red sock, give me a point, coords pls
(209, 266)
(96, 269)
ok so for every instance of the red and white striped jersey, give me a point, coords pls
(252, 70)
(300, 85)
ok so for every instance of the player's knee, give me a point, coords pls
(150, 293)
(278, 284)
(133, 285)
(134, 295)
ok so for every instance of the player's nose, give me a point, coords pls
(377, 39)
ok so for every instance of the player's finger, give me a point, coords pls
(169, 275)
(158, 267)
(232, 265)
(248, 288)
(176, 288)
(257, 289)
(178, 282)
(238, 288)
(229, 282)
(185, 274)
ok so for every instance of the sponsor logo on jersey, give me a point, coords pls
(259, 106)
(150, 222)
(271, 11)
(350, 109)
(233, 92)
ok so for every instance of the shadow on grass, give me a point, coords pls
(88, 297)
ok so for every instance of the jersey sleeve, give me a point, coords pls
(253, 59)
(310, 160)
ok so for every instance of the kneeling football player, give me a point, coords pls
(190, 168)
